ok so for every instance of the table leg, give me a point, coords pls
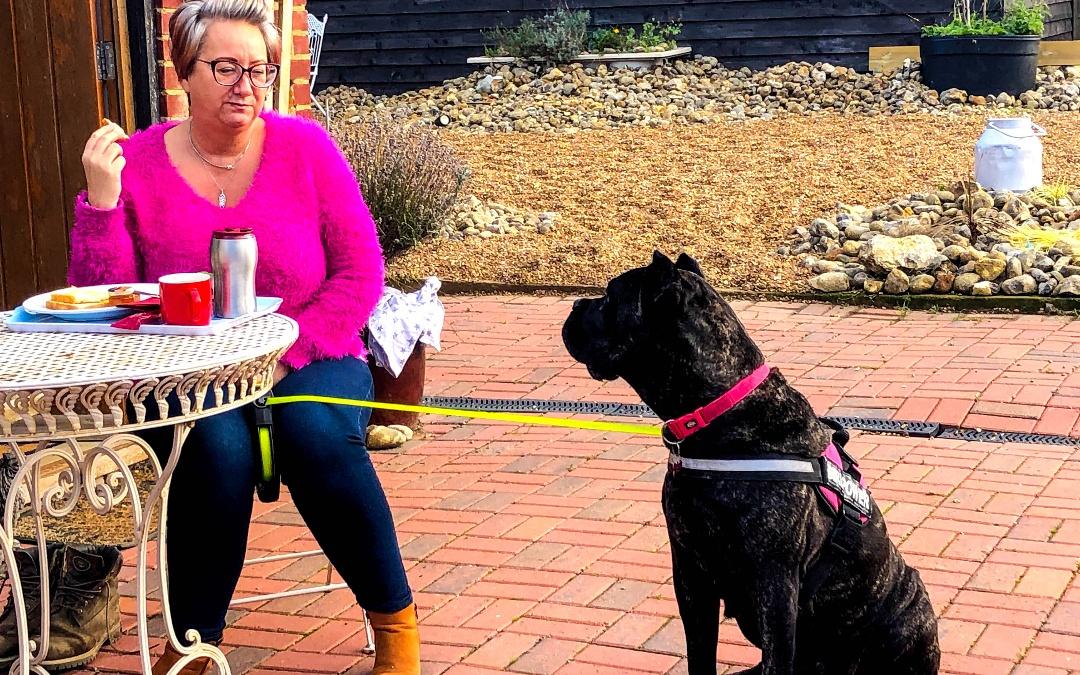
(159, 497)
(31, 652)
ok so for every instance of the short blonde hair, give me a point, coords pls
(187, 28)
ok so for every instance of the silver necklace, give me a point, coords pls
(222, 199)
(228, 167)
(221, 191)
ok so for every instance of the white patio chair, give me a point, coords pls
(316, 30)
(368, 649)
(327, 587)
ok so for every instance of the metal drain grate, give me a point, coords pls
(523, 405)
(868, 424)
(901, 427)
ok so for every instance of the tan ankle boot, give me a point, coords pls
(171, 656)
(397, 642)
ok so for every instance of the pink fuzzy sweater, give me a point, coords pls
(318, 249)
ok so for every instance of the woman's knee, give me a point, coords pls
(321, 434)
(325, 432)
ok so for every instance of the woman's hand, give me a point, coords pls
(280, 371)
(103, 160)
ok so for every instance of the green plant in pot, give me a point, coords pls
(984, 52)
(651, 37)
(557, 37)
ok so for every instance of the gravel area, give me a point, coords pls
(729, 193)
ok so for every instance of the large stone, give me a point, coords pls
(959, 254)
(825, 228)
(922, 283)
(1024, 284)
(943, 281)
(965, 282)
(1069, 287)
(989, 269)
(1016, 208)
(831, 282)
(897, 283)
(981, 200)
(855, 231)
(873, 285)
(823, 266)
(982, 288)
(915, 253)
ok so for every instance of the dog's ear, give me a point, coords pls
(687, 263)
(660, 277)
(660, 261)
(661, 270)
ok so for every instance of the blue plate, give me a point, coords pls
(36, 305)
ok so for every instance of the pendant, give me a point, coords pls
(221, 199)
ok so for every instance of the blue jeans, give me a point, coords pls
(321, 453)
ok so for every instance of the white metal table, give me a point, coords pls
(59, 388)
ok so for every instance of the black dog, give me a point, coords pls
(759, 545)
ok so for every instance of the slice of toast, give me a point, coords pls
(74, 297)
(56, 304)
(123, 295)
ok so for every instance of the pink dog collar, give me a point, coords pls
(681, 427)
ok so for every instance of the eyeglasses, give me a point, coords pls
(228, 72)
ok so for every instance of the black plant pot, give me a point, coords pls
(981, 66)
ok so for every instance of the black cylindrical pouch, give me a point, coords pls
(268, 480)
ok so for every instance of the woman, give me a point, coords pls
(151, 205)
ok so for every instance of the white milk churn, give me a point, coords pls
(1009, 155)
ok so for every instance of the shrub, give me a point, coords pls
(556, 37)
(410, 178)
(1019, 18)
(1024, 19)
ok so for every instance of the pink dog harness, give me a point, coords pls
(835, 473)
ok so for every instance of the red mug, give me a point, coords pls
(186, 299)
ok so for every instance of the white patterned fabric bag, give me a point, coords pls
(401, 320)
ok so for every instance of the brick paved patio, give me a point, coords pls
(537, 550)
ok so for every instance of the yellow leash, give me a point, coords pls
(268, 484)
(517, 418)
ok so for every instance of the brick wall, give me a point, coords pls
(173, 99)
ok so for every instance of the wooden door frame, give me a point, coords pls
(141, 49)
(116, 98)
(123, 66)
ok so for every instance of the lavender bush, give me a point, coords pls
(410, 178)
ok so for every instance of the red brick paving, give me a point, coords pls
(539, 550)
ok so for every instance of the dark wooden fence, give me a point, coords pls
(395, 45)
(48, 106)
